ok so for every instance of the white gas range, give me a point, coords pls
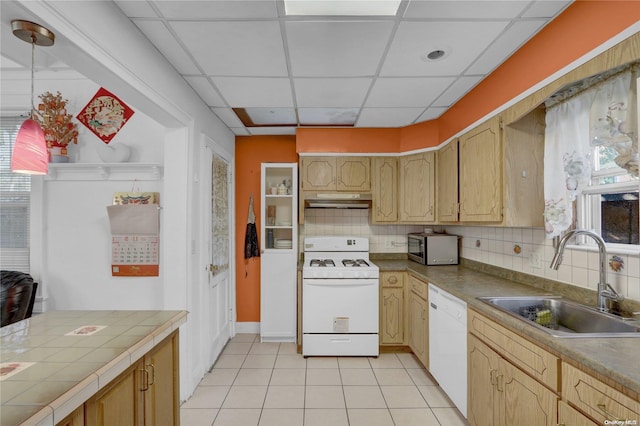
(339, 298)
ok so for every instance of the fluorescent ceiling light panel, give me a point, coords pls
(341, 7)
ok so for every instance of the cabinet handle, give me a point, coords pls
(153, 373)
(145, 379)
(603, 408)
(500, 383)
(492, 376)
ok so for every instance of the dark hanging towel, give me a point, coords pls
(251, 246)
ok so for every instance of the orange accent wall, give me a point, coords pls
(251, 152)
(340, 140)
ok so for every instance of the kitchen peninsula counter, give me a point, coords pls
(54, 362)
(613, 360)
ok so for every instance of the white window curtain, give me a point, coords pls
(598, 111)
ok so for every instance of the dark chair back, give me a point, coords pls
(17, 296)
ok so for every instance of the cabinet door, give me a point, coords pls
(353, 174)
(447, 178)
(385, 190)
(392, 316)
(318, 173)
(525, 401)
(119, 403)
(569, 416)
(418, 328)
(417, 185)
(481, 173)
(76, 418)
(162, 399)
(483, 372)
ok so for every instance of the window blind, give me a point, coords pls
(15, 192)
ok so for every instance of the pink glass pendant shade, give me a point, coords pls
(30, 153)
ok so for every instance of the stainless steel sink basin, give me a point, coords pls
(564, 318)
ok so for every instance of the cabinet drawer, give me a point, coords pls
(595, 398)
(391, 279)
(527, 356)
(419, 288)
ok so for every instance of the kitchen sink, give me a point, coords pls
(563, 318)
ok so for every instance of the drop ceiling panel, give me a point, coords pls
(508, 42)
(545, 9)
(431, 114)
(272, 130)
(228, 117)
(235, 48)
(331, 92)
(463, 42)
(217, 9)
(137, 9)
(457, 90)
(328, 116)
(206, 91)
(272, 116)
(407, 92)
(166, 43)
(245, 92)
(474, 9)
(388, 117)
(338, 48)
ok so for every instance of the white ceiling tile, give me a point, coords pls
(431, 114)
(166, 43)
(235, 48)
(407, 92)
(327, 116)
(245, 92)
(342, 8)
(504, 46)
(205, 90)
(136, 9)
(272, 130)
(545, 8)
(339, 48)
(228, 117)
(271, 116)
(469, 9)
(217, 9)
(458, 89)
(331, 92)
(388, 117)
(463, 42)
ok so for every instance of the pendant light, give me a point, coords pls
(30, 153)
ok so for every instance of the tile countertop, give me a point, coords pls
(63, 366)
(613, 360)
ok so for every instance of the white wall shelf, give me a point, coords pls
(104, 171)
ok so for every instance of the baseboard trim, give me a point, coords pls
(247, 327)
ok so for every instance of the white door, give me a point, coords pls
(218, 296)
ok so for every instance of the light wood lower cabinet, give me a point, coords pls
(147, 393)
(569, 416)
(76, 418)
(393, 312)
(597, 399)
(501, 394)
(419, 320)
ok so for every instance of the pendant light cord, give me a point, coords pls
(33, 59)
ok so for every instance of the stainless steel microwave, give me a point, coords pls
(433, 249)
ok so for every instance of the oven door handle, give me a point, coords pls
(338, 283)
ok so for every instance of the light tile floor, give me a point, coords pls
(269, 384)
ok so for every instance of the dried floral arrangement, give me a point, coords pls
(56, 123)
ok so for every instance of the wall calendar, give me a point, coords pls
(135, 232)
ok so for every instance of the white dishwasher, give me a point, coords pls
(448, 345)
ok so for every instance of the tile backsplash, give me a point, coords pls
(520, 249)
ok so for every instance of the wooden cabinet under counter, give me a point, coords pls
(393, 311)
(419, 319)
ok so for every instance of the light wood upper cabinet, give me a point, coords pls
(385, 190)
(417, 188)
(481, 173)
(447, 179)
(335, 174)
(393, 312)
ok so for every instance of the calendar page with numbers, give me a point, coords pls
(134, 240)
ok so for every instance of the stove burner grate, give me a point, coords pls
(355, 263)
(322, 262)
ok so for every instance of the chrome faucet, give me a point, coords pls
(605, 291)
